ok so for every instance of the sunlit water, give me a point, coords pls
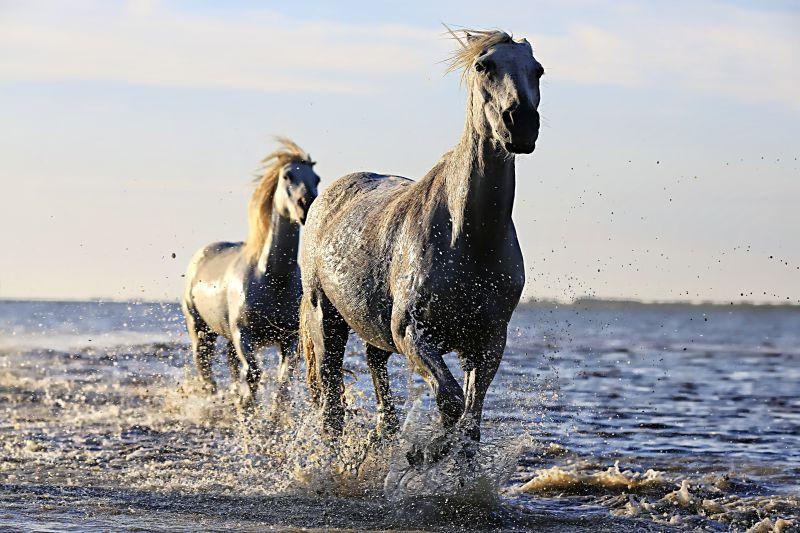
(602, 417)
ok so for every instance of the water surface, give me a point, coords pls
(610, 417)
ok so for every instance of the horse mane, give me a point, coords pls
(259, 213)
(472, 43)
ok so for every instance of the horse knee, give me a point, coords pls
(253, 374)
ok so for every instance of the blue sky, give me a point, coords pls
(666, 169)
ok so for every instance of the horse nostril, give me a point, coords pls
(507, 120)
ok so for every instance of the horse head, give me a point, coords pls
(296, 190)
(503, 82)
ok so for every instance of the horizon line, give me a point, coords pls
(525, 302)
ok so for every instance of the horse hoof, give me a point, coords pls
(415, 456)
(433, 452)
(469, 450)
(248, 405)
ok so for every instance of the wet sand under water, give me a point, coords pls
(612, 418)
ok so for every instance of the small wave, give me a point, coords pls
(559, 480)
(654, 496)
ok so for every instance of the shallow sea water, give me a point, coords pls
(602, 417)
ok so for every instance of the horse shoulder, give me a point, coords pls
(207, 283)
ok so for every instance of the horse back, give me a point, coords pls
(347, 246)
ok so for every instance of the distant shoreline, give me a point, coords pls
(529, 303)
(589, 303)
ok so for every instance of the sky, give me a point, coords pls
(666, 168)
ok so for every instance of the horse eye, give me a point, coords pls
(483, 65)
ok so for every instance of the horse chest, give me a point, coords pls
(465, 299)
(269, 305)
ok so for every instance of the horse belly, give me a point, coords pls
(356, 286)
(363, 303)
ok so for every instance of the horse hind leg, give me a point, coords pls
(287, 359)
(203, 344)
(387, 424)
(324, 338)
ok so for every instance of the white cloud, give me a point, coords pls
(148, 45)
(749, 55)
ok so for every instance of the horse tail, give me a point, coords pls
(305, 347)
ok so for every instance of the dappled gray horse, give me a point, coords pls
(428, 267)
(250, 292)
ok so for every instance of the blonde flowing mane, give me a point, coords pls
(259, 213)
(472, 44)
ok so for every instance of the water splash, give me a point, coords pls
(467, 472)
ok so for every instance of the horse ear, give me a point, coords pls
(526, 43)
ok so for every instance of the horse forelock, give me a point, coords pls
(259, 212)
(473, 43)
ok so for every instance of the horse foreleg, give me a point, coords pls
(428, 361)
(233, 363)
(479, 371)
(287, 359)
(287, 364)
(246, 350)
(387, 424)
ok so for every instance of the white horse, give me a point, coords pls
(249, 292)
(428, 267)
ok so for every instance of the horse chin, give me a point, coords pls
(300, 216)
(520, 148)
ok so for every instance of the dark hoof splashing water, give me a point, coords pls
(598, 420)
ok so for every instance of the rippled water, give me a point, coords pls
(602, 417)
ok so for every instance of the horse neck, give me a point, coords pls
(479, 183)
(279, 255)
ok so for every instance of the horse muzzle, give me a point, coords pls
(522, 125)
(303, 205)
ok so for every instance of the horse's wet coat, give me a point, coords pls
(251, 294)
(429, 267)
